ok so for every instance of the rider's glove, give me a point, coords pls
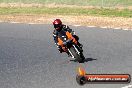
(73, 33)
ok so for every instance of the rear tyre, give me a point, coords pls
(78, 58)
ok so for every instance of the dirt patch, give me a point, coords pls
(110, 22)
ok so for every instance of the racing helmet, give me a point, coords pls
(57, 24)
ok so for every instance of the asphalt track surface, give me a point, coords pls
(29, 58)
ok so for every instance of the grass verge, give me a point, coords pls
(104, 3)
(68, 11)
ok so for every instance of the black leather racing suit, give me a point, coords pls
(61, 33)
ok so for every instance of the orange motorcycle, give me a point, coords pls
(69, 44)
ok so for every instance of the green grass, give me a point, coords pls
(105, 3)
(68, 11)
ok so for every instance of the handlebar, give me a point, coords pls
(67, 41)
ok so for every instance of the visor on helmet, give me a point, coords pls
(56, 26)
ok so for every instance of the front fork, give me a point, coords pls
(70, 53)
(78, 52)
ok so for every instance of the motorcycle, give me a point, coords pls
(70, 46)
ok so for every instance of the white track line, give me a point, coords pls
(117, 28)
(74, 25)
(15, 22)
(91, 26)
(103, 27)
(77, 25)
(129, 86)
(31, 23)
(126, 29)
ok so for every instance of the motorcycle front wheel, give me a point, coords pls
(79, 58)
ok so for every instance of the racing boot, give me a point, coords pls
(79, 44)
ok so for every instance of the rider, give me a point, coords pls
(60, 30)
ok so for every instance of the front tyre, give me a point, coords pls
(74, 53)
(82, 56)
